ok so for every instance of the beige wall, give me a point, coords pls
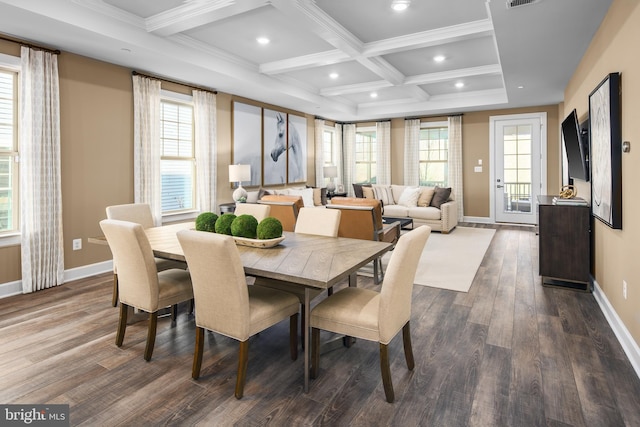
(616, 251)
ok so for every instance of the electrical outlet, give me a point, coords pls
(624, 289)
(77, 244)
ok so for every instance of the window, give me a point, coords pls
(8, 151)
(365, 156)
(177, 161)
(327, 147)
(434, 154)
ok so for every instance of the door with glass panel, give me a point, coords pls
(518, 143)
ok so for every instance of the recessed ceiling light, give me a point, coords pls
(459, 85)
(520, 87)
(334, 75)
(400, 5)
(439, 58)
(374, 95)
(263, 40)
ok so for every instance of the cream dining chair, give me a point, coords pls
(258, 211)
(139, 213)
(375, 316)
(226, 305)
(141, 286)
(320, 222)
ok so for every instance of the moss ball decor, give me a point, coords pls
(244, 226)
(206, 221)
(223, 224)
(269, 228)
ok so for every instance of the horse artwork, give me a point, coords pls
(247, 138)
(297, 149)
(275, 154)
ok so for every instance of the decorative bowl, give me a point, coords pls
(258, 243)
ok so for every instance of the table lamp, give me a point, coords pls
(239, 173)
(330, 172)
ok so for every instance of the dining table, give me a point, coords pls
(310, 261)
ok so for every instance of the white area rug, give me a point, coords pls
(450, 261)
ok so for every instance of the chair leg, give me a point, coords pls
(386, 373)
(191, 306)
(151, 335)
(174, 312)
(315, 352)
(122, 324)
(197, 353)
(293, 336)
(376, 279)
(408, 349)
(114, 298)
(243, 360)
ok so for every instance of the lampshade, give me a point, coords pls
(239, 173)
(330, 171)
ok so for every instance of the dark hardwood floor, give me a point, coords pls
(507, 353)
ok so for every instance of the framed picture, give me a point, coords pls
(275, 157)
(247, 139)
(297, 149)
(606, 151)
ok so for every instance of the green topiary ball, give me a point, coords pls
(223, 224)
(244, 226)
(206, 221)
(269, 228)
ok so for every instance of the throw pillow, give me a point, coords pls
(317, 201)
(262, 192)
(441, 196)
(425, 196)
(368, 193)
(252, 196)
(383, 192)
(306, 194)
(409, 197)
(357, 190)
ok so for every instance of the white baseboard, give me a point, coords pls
(478, 219)
(15, 288)
(627, 342)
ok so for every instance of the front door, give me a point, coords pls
(518, 155)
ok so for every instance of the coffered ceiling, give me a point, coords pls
(495, 56)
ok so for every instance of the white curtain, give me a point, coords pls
(204, 112)
(348, 149)
(319, 142)
(412, 152)
(383, 153)
(455, 162)
(146, 146)
(42, 247)
(337, 152)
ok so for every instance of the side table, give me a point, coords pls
(227, 208)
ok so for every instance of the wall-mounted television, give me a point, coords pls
(576, 145)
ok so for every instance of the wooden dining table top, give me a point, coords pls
(308, 260)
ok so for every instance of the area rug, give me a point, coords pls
(449, 261)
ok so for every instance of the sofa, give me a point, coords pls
(432, 206)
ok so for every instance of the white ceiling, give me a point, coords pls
(490, 48)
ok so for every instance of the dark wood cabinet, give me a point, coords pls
(564, 244)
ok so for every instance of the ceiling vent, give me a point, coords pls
(515, 3)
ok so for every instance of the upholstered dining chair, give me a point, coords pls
(258, 211)
(224, 302)
(375, 316)
(283, 207)
(317, 221)
(141, 286)
(139, 213)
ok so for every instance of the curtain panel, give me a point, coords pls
(455, 162)
(146, 147)
(348, 149)
(319, 142)
(412, 152)
(42, 244)
(338, 153)
(383, 153)
(204, 112)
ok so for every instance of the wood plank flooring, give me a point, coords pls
(507, 353)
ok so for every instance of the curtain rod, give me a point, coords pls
(431, 117)
(137, 73)
(32, 46)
